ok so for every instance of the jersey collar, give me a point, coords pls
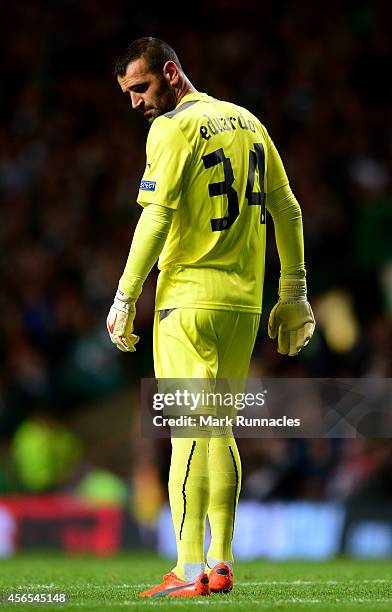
(195, 95)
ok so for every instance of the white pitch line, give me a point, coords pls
(310, 582)
(51, 585)
(90, 586)
(242, 583)
(213, 601)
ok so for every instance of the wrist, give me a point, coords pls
(129, 288)
(123, 302)
(292, 289)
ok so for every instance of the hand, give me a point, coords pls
(120, 323)
(293, 322)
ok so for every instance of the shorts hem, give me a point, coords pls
(227, 307)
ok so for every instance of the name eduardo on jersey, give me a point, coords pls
(230, 123)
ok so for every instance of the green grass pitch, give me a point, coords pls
(113, 583)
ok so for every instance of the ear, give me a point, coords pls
(171, 72)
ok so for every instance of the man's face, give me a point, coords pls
(150, 94)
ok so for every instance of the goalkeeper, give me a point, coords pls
(211, 172)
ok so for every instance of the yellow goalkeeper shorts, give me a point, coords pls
(202, 343)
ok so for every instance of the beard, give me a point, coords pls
(163, 102)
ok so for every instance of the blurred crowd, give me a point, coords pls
(71, 157)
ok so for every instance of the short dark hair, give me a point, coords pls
(156, 53)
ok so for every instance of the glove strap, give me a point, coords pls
(122, 302)
(292, 289)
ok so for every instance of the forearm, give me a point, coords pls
(147, 243)
(291, 319)
(287, 218)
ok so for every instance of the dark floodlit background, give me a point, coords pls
(71, 157)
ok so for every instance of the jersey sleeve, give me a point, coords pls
(168, 153)
(275, 175)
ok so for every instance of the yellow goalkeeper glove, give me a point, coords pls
(119, 322)
(291, 319)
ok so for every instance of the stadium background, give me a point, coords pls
(71, 157)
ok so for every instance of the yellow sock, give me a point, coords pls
(189, 493)
(224, 466)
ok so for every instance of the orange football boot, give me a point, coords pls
(174, 587)
(221, 578)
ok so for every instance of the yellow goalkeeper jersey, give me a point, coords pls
(212, 162)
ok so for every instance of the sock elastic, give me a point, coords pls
(212, 562)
